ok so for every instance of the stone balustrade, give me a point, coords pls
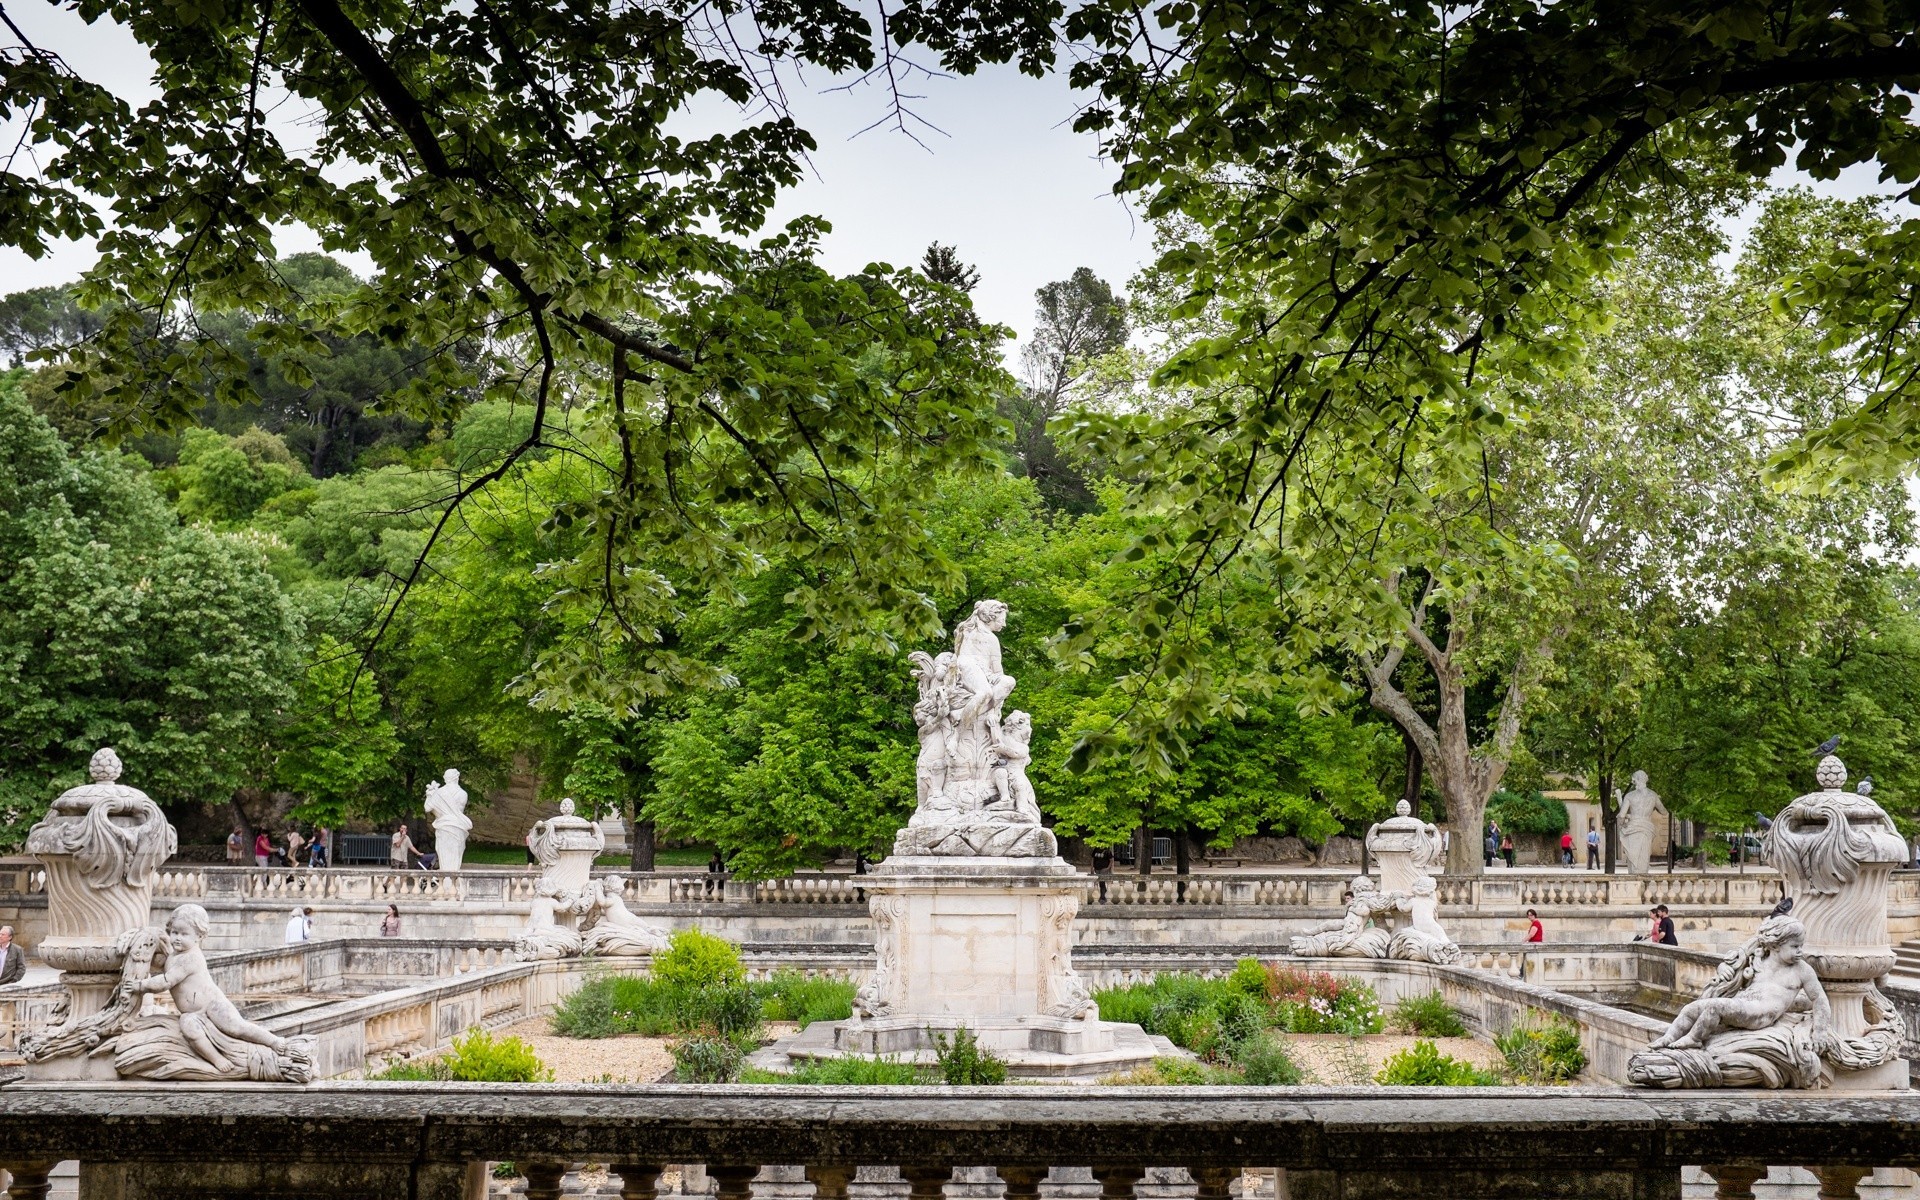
(432, 1141)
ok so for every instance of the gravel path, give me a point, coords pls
(1336, 1059)
(627, 1059)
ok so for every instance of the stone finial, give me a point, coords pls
(104, 766)
(566, 807)
(1403, 809)
(1831, 774)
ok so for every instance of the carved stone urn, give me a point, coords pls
(565, 847)
(1837, 851)
(1405, 847)
(101, 844)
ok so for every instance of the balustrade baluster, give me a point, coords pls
(1116, 1183)
(543, 1180)
(735, 1181)
(29, 1180)
(1734, 1181)
(1023, 1183)
(637, 1180)
(1840, 1183)
(1212, 1183)
(926, 1183)
(829, 1180)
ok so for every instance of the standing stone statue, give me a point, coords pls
(447, 805)
(971, 776)
(1635, 824)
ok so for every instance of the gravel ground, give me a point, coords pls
(1333, 1058)
(628, 1059)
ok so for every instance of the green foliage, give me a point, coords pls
(337, 741)
(474, 1057)
(791, 995)
(962, 1061)
(1174, 1072)
(1264, 1062)
(1315, 1002)
(223, 480)
(1545, 1049)
(694, 959)
(1249, 976)
(854, 1071)
(1527, 813)
(1422, 1065)
(1428, 1016)
(172, 645)
(611, 1005)
(705, 1060)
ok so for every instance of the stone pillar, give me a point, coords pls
(1837, 851)
(1405, 849)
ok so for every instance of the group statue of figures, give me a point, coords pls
(447, 806)
(1797, 1006)
(573, 913)
(971, 776)
(1408, 851)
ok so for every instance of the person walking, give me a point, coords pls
(262, 848)
(1566, 848)
(1493, 843)
(390, 924)
(1102, 867)
(401, 846)
(1506, 849)
(321, 852)
(294, 842)
(1593, 847)
(13, 960)
(300, 926)
(1663, 927)
(1535, 931)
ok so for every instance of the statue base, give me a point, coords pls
(985, 944)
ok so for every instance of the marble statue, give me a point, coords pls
(447, 805)
(1354, 935)
(204, 1039)
(611, 927)
(564, 846)
(101, 844)
(1634, 824)
(1764, 1021)
(1798, 1006)
(1423, 939)
(972, 792)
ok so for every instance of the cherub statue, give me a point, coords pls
(1424, 939)
(209, 1039)
(1013, 792)
(1750, 1027)
(1354, 935)
(615, 930)
(1755, 989)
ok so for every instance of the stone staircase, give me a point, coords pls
(1906, 962)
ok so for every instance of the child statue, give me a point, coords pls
(1755, 989)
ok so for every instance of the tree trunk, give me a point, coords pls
(1609, 810)
(1143, 849)
(1410, 790)
(640, 836)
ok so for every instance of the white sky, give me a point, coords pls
(1020, 195)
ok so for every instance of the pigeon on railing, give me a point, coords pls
(1828, 746)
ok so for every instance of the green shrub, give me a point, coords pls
(412, 1070)
(1422, 1065)
(588, 1012)
(480, 1057)
(731, 1010)
(1249, 976)
(853, 1070)
(705, 1060)
(963, 1063)
(1543, 1050)
(792, 996)
(1173, 1072)
(1264, 1062)
(1316, 1002)
(696, 960)
(1428, 1016)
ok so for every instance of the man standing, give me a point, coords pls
(13, 960)
(402, 845)
(1593, 847)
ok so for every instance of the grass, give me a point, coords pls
(1428, 1016)
(847, 1071)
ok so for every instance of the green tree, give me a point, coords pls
(1078, 319)
(336, 743)
(44, 318)
(172, 645)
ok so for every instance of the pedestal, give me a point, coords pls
(984, 944)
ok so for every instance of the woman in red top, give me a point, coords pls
(262, 848)
(1535, 932)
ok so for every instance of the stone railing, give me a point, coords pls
(433, 1141)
